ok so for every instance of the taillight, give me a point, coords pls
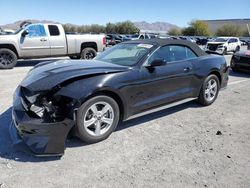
(104, 41)
(247, 53)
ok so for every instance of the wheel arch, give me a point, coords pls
(114, 95)
(89, 45)
(10, 47)
(216, 73)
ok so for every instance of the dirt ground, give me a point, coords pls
(178, 147)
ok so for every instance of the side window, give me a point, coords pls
(172, 53)
(53, 30)
(230, 41)
(190, 53)
(146, 37)
(36, 30)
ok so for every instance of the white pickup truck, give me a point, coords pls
(47, 40)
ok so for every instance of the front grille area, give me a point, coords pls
(212, 47)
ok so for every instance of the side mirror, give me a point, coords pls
(24, 33)
(157, 63)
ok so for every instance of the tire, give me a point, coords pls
(209, 94)
(88, 121)
(88, 53)
(234, 69)
(8, 58)
(225, 51)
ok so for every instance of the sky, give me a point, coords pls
(103, 11)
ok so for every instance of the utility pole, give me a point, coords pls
(248, 30)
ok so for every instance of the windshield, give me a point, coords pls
(220, 40)
(125, 54)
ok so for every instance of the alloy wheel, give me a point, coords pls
(98, 118)
(211, 90)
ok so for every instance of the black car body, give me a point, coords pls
(47, 101)
(241, 61)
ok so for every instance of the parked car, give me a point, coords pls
(142, 36)
(201, 41)
(113, 39)
(240, 61)
(222, 45)
(90, 98)
(47, 40)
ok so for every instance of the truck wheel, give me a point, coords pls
(8, 59)
(88, 53)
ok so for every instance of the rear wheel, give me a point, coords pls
(209, 90)
(8, 59)
(97, 118)
(88, 53)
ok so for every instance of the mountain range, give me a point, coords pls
(144, 26)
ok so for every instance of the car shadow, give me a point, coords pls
(20, 152)
(16, 152)
(242, 74)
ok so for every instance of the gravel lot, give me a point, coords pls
(177, 147)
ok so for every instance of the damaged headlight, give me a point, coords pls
(46, 104)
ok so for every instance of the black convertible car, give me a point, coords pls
(241, 61)
(89, 98)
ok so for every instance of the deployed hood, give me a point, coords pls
(47, 75)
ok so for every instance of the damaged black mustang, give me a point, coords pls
(89, 98)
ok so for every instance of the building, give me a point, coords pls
(213, 25)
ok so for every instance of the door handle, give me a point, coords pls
(187, 69)
(43, 40)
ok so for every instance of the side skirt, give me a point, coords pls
(160, 108)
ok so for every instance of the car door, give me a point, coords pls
(57, 41)
(168, 83)
(35, 43)
(231, 45)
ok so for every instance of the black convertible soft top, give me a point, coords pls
(164, 42)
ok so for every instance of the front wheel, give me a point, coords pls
(209, 90)
(8, 59)
(97, 118)
(88, 53)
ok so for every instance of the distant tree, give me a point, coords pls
(196, 28)
(200, 28)
(188, 31)
(229, 30)
(174, 32)
(110, 28)
(126, 27)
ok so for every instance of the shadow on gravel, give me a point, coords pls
(243, 74)
(159, 114)
(20, 152)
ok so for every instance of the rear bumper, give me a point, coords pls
(42, 138)
(240, 65)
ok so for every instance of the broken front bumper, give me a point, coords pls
(42, 138)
